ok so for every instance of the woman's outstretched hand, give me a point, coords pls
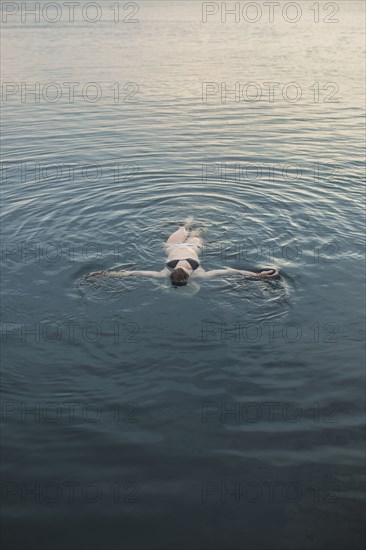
(267, 274)
(97, 274)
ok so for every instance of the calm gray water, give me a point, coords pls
(227, 414)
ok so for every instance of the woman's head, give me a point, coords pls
(179, 277)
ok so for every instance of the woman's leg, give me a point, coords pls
(195, 237)
(181, 235)
(178, 236)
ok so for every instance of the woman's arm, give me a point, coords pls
(155, 274)
(230, 271)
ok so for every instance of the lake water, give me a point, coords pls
(227, 414)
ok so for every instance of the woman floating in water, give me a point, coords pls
(182, 249)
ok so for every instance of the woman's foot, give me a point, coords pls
(188, 223)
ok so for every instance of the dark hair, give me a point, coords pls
(179, 277)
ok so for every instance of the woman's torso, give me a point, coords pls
(181, 252)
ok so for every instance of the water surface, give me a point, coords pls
(227, 414)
